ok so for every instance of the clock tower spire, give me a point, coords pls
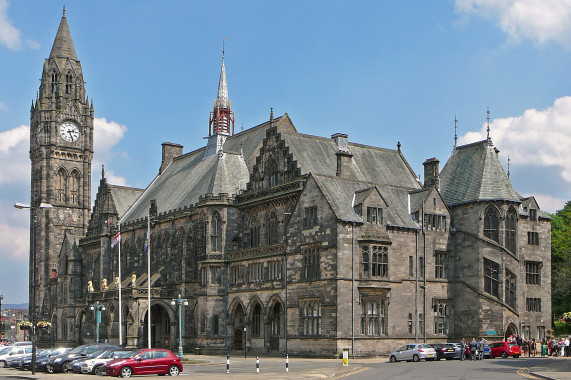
(61, 151)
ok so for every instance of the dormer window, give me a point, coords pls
(532, 214)
(374, 215)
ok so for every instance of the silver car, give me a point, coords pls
(414, 352)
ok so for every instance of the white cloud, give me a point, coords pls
(536, 138)
(9, 35)
(14, 156)
(15, 241)
(538, 20)
(106, 135)
(549, 203)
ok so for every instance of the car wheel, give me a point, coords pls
(49, 369)
(174, 370)
(126, 372)
(64, 367)
(97, 370)
(2, 364)
(393, 359)
(504, 354)
(415, 358)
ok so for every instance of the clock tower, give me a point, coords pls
(61, 151)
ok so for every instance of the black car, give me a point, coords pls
(59, 363)
(445, 350)
(41, 359)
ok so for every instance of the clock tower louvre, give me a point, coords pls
(61, 151)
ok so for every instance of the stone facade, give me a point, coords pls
(282, 241)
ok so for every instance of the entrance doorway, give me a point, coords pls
(238, 338)
(238, 322)
(511, 330)
(160, 328)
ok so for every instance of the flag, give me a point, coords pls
(145, 247)
(116, 239)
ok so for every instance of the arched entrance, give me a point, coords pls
(276, 325)
(511, 330)
(238, 323)
(160, 328)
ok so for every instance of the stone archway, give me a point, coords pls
(511, 330)
(238, 323)
(160, 328)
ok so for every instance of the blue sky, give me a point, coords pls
(380, 71)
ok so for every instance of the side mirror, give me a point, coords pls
(138, 359)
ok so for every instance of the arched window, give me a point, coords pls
(254, 232)
(365, 261)
(276, 319)
(272, 228)
(68, 83)
(74, 187)
(272, 173)
(215, 325)
(216, 232)
(511, 220)
(61, 185)
(492, 224)
(54, 82)
(256, 320)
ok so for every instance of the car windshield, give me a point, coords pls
(122, 354)
(78, 350)
(96, 354)
(425, 346)
(5, 350)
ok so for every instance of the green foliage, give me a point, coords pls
(561, 260)
(562, 328)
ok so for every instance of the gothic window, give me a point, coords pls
(441, 261)
(373, 316)
(375, 261)
(492, 224)
(201, 236)
(256, 320)
(434, 222)
(276, 319)
(491, 277)
(441, 317)
(310, 263)
(310, 216)
(311, 316)
(54, 83)
(61, 185)
(254, 232)
(510, 296)
(533, 304)
(272, 228)
(215, 325)
(374, 215)
(68, 83)
(216, 232)
(511, 219)
(74, 187)
(533, 273)
(272, 173)
(532, 238)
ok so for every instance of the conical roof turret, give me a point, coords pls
(222, 100)
(63, 44)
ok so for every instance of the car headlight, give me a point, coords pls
(57, 360)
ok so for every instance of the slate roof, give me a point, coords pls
(474, 173)
(124, 197)
(341, 193)
(191, 175)
(417, 198)
(63, 44)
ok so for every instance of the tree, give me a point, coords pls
(561, 260)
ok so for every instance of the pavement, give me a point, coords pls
(559, 370)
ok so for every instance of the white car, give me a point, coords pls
(11, 351)
(414, 352)
(94, 366)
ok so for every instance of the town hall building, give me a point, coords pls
(279, 240)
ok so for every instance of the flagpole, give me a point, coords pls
(120, 302)
(149, 279)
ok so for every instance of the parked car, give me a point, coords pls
(505, 349)
(95, 365)
(59, 363)
(413, 352)
(9, 352)
(487, 352)
(151, 361)
(42, 359)
(444, 350)
(24, 343)
(15, 360)
(75, 365)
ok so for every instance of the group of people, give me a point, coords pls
(557, 347)
(473, 350)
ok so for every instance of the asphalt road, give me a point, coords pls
(214, 368)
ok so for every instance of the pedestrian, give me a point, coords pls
(533, 347)
(543, 347)
(463, 349)
(473, 349)
(567, 348)
(525, 347)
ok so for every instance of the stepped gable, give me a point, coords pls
(474, 173)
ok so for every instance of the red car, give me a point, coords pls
(150, 361)
(505, 349)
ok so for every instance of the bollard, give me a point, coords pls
(287, 363)
(257, 364)
(227, 363)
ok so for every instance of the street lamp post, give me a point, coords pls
(179, 301)
(98, 309)
(10, 315)
(1, 299)
(33, 274)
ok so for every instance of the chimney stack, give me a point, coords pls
(431, 173)
(170, 151)
(344, 156)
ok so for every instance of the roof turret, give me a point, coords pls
(63, 44)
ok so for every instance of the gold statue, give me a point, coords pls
(117, 283)
(133, 279)
(90, 286)
(104, 284)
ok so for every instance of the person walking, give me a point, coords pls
(473, 349)
(533, 347)
(463, 349)
(525, 347)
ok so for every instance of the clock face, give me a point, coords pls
(69, 131)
